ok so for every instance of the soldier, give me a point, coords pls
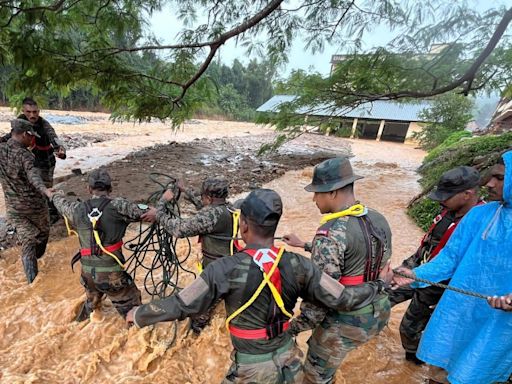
(260, 286)
(25, 191)
(457, 192)
(101, 223)
(214, 224)
(352, 245)
(44, 147)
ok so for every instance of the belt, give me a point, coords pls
(43, 148)
(370, 308)
(254, 334)
(111, 248)
(113, 268)
(249, 358)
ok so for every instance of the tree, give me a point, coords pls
(59, 45)
(448, 113)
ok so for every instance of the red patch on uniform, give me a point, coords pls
(322, 232)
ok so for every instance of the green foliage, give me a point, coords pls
(448, 113)
(448, 142)
(483, 150)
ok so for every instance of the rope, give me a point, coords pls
(449, 287)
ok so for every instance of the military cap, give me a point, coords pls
(454, 181)
(215, 187)
(332, 174)
(21, 125)
(263, 207)
(99, 178)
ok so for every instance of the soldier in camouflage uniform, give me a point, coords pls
(352, 246)
(264, 351)
(457, 193)
(102, 273)
(213, 224)
(44, 147)
(25, 199)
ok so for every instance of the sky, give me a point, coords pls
(166, 26)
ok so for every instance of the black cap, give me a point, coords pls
(263, 207)
(99, 178)
(454, 181)
(331, 175)
(20, 125)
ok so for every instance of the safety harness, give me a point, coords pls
(374, 241)
(267, 259)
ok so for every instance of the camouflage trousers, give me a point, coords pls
(32, 231)
(418, 312)
(338, 334)
(118, 286)
(280, 367)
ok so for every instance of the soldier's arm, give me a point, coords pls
(129, 211)
(5, 138)
(328, 256)
(320, 288)
(194, 197)
(50, 131)
(64, 206)
(33, 174)
(202, 222)
(211, 285)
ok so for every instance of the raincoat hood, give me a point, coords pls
(507, 184)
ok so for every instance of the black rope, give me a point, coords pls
(449, 287)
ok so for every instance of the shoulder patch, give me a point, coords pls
(142, 206)
(322, 232)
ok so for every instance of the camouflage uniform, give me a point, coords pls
(101, 275)
(271, 359)
(424, 300)
(212, 223)
(342, 248)
(27, 208)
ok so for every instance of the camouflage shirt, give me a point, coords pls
(21, 180)
(341, 252)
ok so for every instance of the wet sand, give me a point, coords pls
(40, 343)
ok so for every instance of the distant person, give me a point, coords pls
(457, 192)
(467, 340)
(260, 286)
(102, 261)
(25, 195)
(352, 245)
(45, 146)
(214, 223)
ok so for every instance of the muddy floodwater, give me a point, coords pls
(40, 342)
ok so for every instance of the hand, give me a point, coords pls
(181, 185)
(61, 152)
(501, 302)
(293, 240)
(168, 195)
(49, 192)
(399, 281)
(386, 273)
(149, 216)
(130, 315)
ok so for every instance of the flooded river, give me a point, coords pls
(40, 342)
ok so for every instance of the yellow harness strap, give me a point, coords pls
(236, 216)
(98, 241)
(68, 227)
(273, 290)
(355, 210)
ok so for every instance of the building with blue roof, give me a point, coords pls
(378, 120)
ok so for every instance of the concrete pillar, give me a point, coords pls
(381, 129)
(354, 127)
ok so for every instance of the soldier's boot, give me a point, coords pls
(84, 312)
(40, 250)
(30, 267)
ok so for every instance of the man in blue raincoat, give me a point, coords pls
(469, 340)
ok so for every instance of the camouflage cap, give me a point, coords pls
(262, 206)
(21, 125)
(99, 178)
(215, 187)
(332, 174)
(454, 181)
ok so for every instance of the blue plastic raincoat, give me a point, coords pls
(465, 336)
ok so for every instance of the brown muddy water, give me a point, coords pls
(40, 342)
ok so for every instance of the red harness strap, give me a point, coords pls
(263, 258)
(43, 148)
(110, 248)
(352, 280)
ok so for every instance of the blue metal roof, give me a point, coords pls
(377, 110)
